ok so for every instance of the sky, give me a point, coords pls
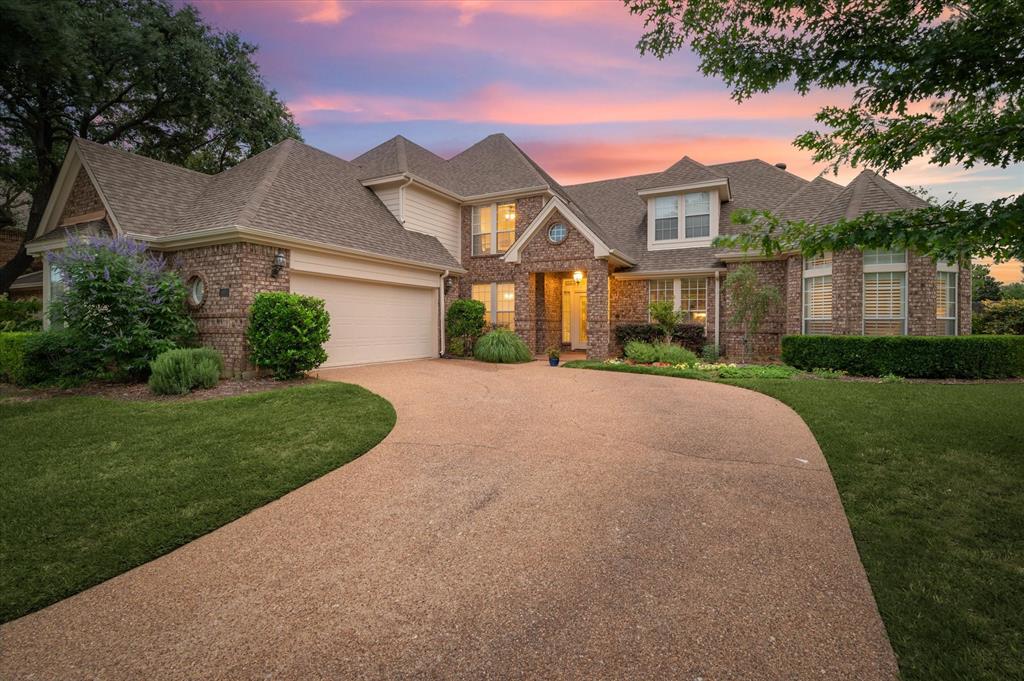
(562, 79)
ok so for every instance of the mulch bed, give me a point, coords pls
(139, 392)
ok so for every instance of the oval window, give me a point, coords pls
(196, 291)
(557, 233)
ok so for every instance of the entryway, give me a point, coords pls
(574, 313)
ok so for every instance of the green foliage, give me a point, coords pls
(1014, 291)
(56, 357)
(144, 75)
(665, 317)
(179, 371)
(688, 334)
(891, 378)
(12, 355)
(502, 346)
(830, 374)
(464, 323)
(771, 371)
(554, 352)
(641, 352)
(673, 354)
(20, 315)
(751, 302)
(1000, 317)
(709, 353)
(960, 59)
(122, 303)
(909, 356)
(983, 285)
(287, 332)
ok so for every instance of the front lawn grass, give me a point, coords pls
(92, 487)
(931, 478)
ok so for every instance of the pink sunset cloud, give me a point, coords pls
(322, 11)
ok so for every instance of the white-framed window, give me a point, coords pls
(494, 228)
(56, 277)
(666, 218)
(499, 299)
(698, 215)
(946, 301)
(688, 294)
(885, 293)
(817, 306)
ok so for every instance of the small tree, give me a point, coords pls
(287, 332)
(121, 302)
(665, 317)
(464, 323)
(751, 303)
(983, 285)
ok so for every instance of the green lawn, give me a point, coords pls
(932, 480)
(92, 487)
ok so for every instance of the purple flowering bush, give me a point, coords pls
(121, 304)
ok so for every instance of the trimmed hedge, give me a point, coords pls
(691, 336)
(909, 356)
(177, 372)
(12, 355)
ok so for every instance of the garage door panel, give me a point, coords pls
(373, 322)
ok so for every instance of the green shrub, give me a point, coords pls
(673, 354)
(709, 353)
(641, 352)
(829, 374)
(20, 315)
(56, 357)
(12, 355)
(177, 372)
(502, 346)
(688, 334)
(1000, 317)
(464, 323)
(287, 332)
(122, 302)
(892, 378)
(909, 356)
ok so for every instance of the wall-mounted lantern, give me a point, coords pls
(577, 276)
(279, 262)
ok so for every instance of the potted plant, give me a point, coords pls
(554, 353)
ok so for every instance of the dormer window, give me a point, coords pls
(666, 218)
(698, 215)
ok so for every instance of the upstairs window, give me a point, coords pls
(698, 215)
(494, 228)
(666, 218)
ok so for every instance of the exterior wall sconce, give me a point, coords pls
(449, 284)
(278, 265)
(577, 276)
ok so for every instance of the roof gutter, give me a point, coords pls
(664, 274)
(220, 235)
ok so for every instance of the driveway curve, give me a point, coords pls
(519, 521)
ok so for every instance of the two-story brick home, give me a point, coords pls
(390, 237)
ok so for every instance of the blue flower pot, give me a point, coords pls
(553, 361)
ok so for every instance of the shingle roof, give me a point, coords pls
(683, 171)
(291, 189)
(806, 202)
(146, 196)
(868, 193)
(400, 155)
(32, 280)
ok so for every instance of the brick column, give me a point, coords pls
(598, 327)
(794, 294)
(921, 295)
(848, 293)
(526, 307)
(963, 300)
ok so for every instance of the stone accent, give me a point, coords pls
(240, 270)
(82, 198)
(766, 343)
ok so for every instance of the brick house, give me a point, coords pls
(389, 238)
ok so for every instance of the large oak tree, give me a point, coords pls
(928, 79)
(138, 74)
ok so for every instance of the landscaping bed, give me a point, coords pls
(93, 486)
(228, 387)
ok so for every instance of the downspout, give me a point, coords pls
(718, 313)
(401, 200)
(440, 315)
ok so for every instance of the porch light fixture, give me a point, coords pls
(278, 265)
(577, 276)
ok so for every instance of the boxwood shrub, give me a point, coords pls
(287, 332)
(909, 356)
(12, 355)
(180, 371)
(691, 336)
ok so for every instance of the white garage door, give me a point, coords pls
(374, 322)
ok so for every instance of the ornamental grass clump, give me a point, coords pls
(177, 372)
(673, 354)
(503, 347)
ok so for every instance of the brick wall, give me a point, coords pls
(921, 296)
(963, 303)
(239, 271)
(550, 312)
(628, 300)
(82, 198)
(765, 343)
(847, 293)
(490, 268)
(10, 243)
(794, 294)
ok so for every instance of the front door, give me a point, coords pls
(578, 320)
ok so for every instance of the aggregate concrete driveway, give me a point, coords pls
(518, 522)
